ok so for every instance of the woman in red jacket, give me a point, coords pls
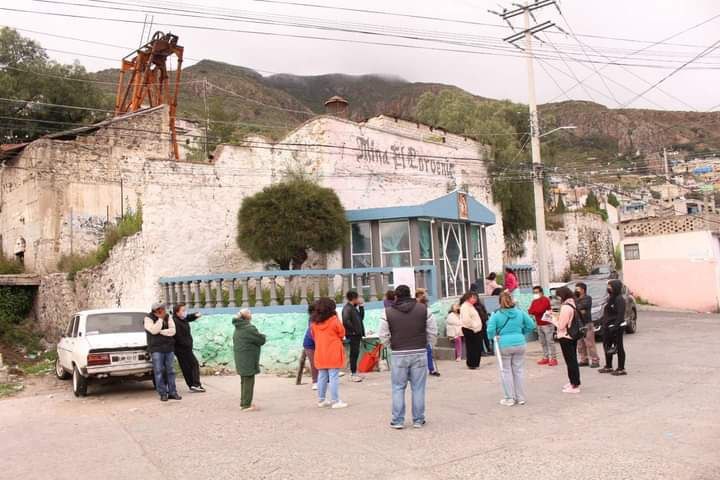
(328, 333)
(511, 281)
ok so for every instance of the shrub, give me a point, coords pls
(15, 305)
(10, 266)
(129, 225)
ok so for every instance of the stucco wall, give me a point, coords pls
(680, 270)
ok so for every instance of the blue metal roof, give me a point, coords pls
(445, 208)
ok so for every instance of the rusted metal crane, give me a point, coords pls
(144, 80)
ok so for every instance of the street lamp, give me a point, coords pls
(569, 127)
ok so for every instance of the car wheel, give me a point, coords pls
(80, 383)
(632, 323)
(60, 371)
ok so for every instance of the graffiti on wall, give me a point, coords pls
(401, 157)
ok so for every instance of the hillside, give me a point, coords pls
(274, 105)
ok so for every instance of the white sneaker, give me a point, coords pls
(341, 374)
(508, 402)
(314, 387)
(356, 378)
(571, 389)
(324, 403)
(521, 402)
(339, 404)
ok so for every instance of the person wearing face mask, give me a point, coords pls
(586, 346)
(538, 308)
(613, 329)
(184, 347)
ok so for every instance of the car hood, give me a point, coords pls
(115, 340)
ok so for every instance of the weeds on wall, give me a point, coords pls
(129, 224)
(15, 329)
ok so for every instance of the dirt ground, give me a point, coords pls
(659, 422)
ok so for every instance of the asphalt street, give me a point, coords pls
(662, 421)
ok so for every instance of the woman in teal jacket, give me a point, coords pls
(508, 326)
(246, 345)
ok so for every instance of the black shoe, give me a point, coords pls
(174, 396)
(163, 398)
(619, 372)
(584, 364)
(605, 370)
(197, 389)
(435, 373)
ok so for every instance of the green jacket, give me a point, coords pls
(246, 343)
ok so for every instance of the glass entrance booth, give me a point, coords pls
(448, 232)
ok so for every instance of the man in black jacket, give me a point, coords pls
(184, 347)
(160, 330)
(586, 346)
(353, 314)
(613, 328)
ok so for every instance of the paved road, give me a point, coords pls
(662, 421)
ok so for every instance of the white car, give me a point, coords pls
(102, 344)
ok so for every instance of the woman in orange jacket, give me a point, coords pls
(328, 332)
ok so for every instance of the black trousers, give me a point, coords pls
(473, 347)
(569, 351)
(189, 366)
(614, 338)
(354, 353)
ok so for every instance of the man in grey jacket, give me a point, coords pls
(407, 326)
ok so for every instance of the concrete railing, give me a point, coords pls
(284, 290)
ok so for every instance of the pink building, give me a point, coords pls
(676, 270)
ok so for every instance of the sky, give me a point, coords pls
(598, 32)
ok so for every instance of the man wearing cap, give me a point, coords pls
(160, 330)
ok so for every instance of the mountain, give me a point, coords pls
(274, 105)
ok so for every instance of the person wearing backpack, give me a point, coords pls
(509, 325)
(568, 326)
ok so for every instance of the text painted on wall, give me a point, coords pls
(402, 158)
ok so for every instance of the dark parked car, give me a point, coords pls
(602, 272)
(597, 289)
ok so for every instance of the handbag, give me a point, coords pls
(370, 360)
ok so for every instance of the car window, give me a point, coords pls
(120, 322)
(76, 324)
(71, 325)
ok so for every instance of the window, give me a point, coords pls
(478, 261)
(361, 245)
(632, 251)
(395, 244)
(70, 327)
(115, 323)
(76, 326)
(426, 243)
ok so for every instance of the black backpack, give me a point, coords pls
(576, 330)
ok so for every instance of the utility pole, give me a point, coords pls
(207, 117)
(538, 174)
(667, 167)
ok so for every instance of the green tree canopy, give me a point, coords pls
(283, 221)
(612, 200)
(30, 78)
(592, 202)
(502, 125)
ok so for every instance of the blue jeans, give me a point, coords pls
(430, 363)
(403, 369)
(331, 375)
(164, 372)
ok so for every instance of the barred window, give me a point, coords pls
(632, 251)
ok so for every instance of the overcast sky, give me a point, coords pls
(492, 74)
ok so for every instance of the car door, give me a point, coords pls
(66, 344)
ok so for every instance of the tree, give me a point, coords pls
(612, 200)
(283, 221)
(502, 126)
(32, 80)
(592, 202)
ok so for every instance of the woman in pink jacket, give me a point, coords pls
(567, 344)
(511, 281)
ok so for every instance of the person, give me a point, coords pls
(353, 314)
(511, 281)
(247, 342)
(328, 333)
(567, 344)
(408, 327)
(453, 329)
(472, 326)
(491, 284)
(389, 298)
(160, 331)
(309, 347)
(184, 347)
(539, 307)
(613, 329)
(587, 352)
(486, 346)
(422, 297)
(509, 325)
